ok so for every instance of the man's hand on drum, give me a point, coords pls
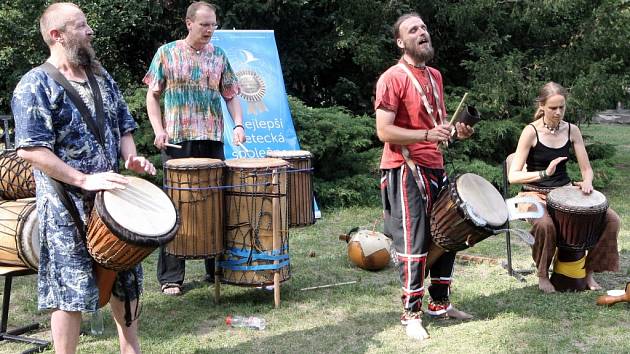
(139, 164)
(586, 187)
(238, 135)
(161, 138)
(104, 181)
(463, 131)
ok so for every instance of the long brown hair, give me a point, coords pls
(549, 89)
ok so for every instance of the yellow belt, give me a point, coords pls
(573, 269)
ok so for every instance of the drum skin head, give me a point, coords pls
(256, 163)
(192, 162)
(283, 154)
(369, 249)
(482, 199)
(572, 197)
(141, 208)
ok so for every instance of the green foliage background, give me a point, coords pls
(333, 51)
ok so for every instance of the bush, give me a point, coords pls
(345, 153)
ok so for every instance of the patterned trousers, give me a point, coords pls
(407, 208)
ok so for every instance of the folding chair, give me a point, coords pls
(518, 274)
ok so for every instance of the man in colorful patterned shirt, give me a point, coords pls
(53, 136)
(193, 75)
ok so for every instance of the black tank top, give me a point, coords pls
(540, 156)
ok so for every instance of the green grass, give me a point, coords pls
(510, 316)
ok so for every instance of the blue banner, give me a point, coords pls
(266, 115)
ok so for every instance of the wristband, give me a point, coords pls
(237, 126)
(426, 135)
(542, 174)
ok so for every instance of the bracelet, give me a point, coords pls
(237, 126)
(542, 174)
(426, 135)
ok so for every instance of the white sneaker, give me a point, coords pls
(415, 330)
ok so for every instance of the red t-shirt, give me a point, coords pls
(395, 92)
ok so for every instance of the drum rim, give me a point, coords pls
(33, 223)
(131, 237)
(190, 163)
(555, 204)
(287, 154)
(460, 201)
(257, 163)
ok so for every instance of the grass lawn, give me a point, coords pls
(510, 315)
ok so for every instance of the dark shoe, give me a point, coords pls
(208, 278)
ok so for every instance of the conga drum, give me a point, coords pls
(19, 233)
(126, 225)
(196, 187)
(257, 236)
(579, 221)
(468, 211)
(299, 185)
(16, 177)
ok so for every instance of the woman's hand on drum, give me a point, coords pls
(587, 188)
(439, 133)
(551, 169)
(104, 181)
(139, 164)
(161, 138)
(464, 131)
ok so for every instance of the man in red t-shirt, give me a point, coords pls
(411, 121)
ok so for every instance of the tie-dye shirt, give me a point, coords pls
(192, 83)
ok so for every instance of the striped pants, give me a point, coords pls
(407, 210)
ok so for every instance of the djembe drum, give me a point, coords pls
(467, 212)
(579, 220)
(257, 236)
(16, 177)
(195, 186)
(126, 225)
(19, 233)
(299, 185)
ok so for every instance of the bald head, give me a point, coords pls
(56, 17)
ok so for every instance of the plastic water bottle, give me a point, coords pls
(248, 322)
(96, 323)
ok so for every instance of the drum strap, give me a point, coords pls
(414, 171)
(95, 127)
(67, 202)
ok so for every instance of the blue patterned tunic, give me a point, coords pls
(46, 117)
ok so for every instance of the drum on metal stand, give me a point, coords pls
(300, 185)
(579, 221)
(467, 212)
(257, 230)
(196, 187)
(16, 177)
(19, 233)
(126, 225)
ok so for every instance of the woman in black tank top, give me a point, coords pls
(540, 165)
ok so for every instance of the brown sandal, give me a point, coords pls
(171, 289)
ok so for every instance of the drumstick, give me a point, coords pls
(173, 145)
(329, 285)
(459, 108)
(242, 147)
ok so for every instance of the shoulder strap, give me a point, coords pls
(569, 132)
(76, 99)
(535, 131)
(423, 96)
